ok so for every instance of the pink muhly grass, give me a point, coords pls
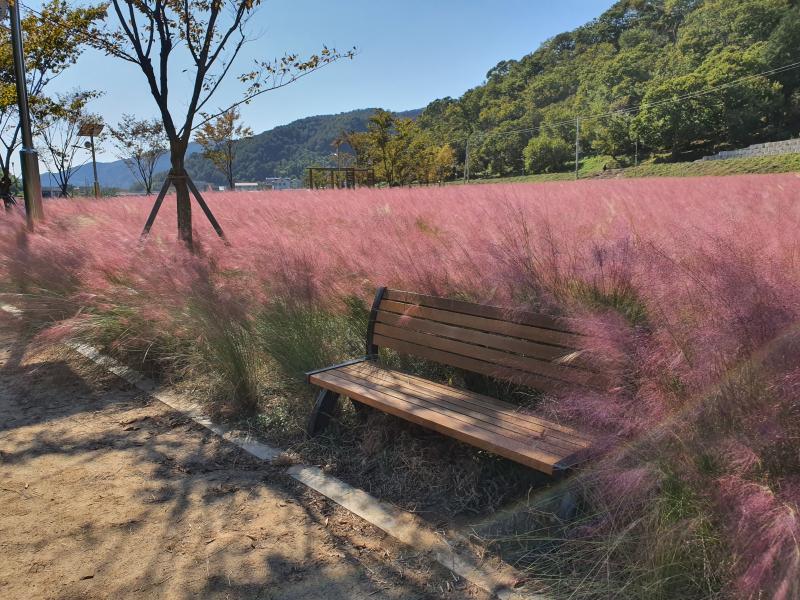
(675, 282)
(766, 538)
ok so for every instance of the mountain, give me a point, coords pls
(673, 79)
(112, 174)
(287, 150)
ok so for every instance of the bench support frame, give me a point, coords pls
(325, 408)
(372, 349)
(476, 419)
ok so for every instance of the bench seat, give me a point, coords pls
(479, 420)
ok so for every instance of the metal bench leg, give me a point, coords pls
(324, 408)
(362, 410)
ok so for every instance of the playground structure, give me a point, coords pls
(340, 177)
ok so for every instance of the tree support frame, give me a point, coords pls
(171, 178)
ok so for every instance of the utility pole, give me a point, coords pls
(91, 130)
(29, 159)
(94, 170)
(466, 163)
(577, 144)
(636, 156)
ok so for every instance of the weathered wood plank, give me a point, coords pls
(534, 334)
(471, 434)
(481, 310)
(489, 355)
(470, 364)
(369, 369)
(490, 340)
(491, 420)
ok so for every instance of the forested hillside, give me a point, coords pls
(668, 56)
(286, 151)
(669, 80)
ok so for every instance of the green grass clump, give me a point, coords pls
(656, 544)
(301, 338)
(622, 299)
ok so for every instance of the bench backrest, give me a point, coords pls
(526, 348)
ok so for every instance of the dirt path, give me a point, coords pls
(106, 493)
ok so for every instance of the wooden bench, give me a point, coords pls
(524, 348)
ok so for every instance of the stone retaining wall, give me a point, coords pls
(768, 149)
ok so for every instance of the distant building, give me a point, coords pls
(278, 183)
(51, 191)
(270, 183)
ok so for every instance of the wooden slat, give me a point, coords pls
(372, 370)
(539, 442)
(490, 340)
(529, 365)
(432, 419)
(534, 334)
(500, 421)
(460, 418)
(480, 310)
(488, 419)
(470, 364)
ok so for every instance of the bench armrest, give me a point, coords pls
(355, 361)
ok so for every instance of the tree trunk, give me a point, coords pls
(5, 190)
(229, 160)
(183, 202)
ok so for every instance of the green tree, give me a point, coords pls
(218, 138)
(444, 162)
(53, 40)
(719, 103)
(716, 25)
(58, 135)
(380, 133)
(360, 143)
(139, 144)
(638, 52)
(545, 154)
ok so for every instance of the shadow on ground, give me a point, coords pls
(107, 493)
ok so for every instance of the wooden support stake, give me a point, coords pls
(193, 188)
(206, 210)
(157, 206)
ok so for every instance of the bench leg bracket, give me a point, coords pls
(363, 411)
(325, 407)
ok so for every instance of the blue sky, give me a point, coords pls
(409, 54)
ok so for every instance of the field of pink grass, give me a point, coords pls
(691, 285)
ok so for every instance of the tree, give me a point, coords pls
(444, 163)
(218, 139)
(58, 133)
(381, 130)
(139, 144)
(721, 102)
(400, 150)
(545, 154)
(53, 40)
(209, 35)
(359, 141)
(639, 52)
